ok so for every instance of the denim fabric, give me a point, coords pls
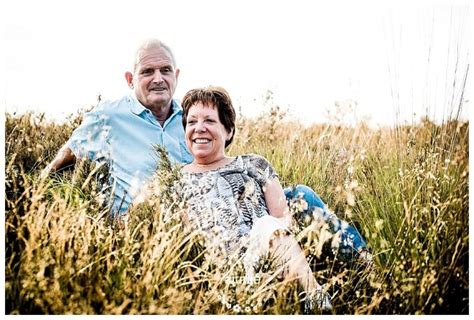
(351, 240)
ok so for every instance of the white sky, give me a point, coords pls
(58, 55)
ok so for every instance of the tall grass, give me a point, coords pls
(405, 188)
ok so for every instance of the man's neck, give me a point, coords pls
(162, 114)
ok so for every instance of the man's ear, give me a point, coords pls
(177, 73)
(129, 78)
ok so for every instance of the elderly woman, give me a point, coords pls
(238, 199)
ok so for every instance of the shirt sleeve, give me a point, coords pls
(261, 170)
(89, 140)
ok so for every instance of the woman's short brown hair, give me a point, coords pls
(212, 96)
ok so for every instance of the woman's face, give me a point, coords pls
(205, 134)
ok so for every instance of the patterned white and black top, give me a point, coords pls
(224, 202)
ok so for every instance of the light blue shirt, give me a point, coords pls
(123, 133)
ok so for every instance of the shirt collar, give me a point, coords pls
(137, 108)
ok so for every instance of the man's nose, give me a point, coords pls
(157, 76)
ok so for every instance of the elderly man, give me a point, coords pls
(123, 132)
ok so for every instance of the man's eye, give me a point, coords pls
(166, 70)
(147, 71)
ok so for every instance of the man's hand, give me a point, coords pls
(64, 158)
(45, 172)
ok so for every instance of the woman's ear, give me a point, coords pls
(229, 135)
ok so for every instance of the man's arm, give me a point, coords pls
(64, 158)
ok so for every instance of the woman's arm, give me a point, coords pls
(276, 201)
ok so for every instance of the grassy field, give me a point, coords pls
(405, 188)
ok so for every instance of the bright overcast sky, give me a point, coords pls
(59, 55)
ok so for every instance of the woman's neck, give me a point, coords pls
(203, 165)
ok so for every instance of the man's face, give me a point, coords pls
(154, 79)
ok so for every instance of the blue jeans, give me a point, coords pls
(351, 240)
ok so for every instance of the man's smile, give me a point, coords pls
(158, 89)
